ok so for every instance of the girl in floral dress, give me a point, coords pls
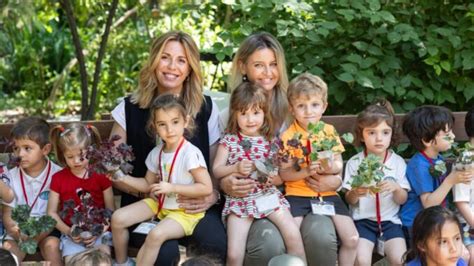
(245, 147)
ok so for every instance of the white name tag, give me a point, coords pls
(266, 203)
(145, 227)
(381, 246)
(323, 208)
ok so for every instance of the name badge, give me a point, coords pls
(145, 227)
(323, 208)
(381, 246)
(266, 203)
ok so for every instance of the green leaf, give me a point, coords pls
(368, 62)
(455, 41)
(432, 50)
(329, 25)
(406, 81)
(437, 69)
(339, 95)
(427, 93)
(365, 81)
(387, 16)
(446, 66)
(29, 246)
(469, 94)
(350, 68)
(354, 58)
(362, 46)
(375, 50)
(394, 37)
(346, 77)
(220, 56)
(347, 13)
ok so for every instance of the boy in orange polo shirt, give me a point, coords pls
(307, 95)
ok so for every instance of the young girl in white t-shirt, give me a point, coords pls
(175, 167)
(376, 217)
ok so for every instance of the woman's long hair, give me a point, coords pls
(258, 41)
(191, 93)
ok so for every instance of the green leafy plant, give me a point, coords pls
(369, 173)
(30, 227)
(465, 157)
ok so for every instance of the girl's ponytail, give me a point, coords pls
(54, 136)
(71, 135)
(379, 111)
(94, 134)
(386, 104)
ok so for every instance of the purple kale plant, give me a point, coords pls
(87, 220)
(107, 158)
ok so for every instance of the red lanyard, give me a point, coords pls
(440, 179)
(377, 199)
(41, 189)
(161, 197)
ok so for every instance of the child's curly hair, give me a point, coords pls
(379, 111)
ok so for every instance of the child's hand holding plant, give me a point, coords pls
(245, 167)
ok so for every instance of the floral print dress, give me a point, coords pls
(257, 148)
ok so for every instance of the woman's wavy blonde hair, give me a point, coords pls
(191, 93)
(258, 41)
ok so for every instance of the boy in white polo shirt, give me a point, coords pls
(30, 182)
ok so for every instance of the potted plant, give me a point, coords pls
(107, 158)
(319, 149)
(266, 167)
(369, 174)
(465, 157)
(87, 220)
(30, 227)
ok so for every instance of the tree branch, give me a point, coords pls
(100, 57)
(66, 5)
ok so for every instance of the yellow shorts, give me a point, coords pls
(186, 220)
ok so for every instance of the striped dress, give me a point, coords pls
(259, 149)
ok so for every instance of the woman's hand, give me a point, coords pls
(234, 186)
(196, 205)
(324, 183)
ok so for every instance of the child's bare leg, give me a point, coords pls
(121, 220)
(347, 232)
(49, 248)
(298, 220)
(237, 233)
(290, 232)
(364, 252)
(395, 248)
(471, 253)
(165, 230)
(13, 247)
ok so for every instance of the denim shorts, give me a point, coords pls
(69, 247)
(370, 230)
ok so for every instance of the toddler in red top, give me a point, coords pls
(75, 183)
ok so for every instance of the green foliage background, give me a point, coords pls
(412, 52)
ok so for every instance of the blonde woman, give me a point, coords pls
(260, 59)
(172, 67)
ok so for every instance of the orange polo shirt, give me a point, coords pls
(299, 187)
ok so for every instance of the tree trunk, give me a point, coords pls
(103, 45)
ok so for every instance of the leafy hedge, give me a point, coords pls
(409, 51)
